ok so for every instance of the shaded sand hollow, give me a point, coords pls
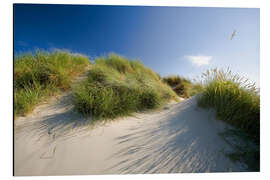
(55, 140)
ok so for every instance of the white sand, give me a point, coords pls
(54, 140)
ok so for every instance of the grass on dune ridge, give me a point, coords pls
(237, 102)
(183, 87)
(117, 86)
(42, 74)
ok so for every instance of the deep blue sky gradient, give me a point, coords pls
(160, 37)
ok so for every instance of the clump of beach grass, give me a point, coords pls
(236, 100)
(42, 74)
(117, 87)
(183, 87)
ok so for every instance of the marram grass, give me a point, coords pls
(182, 87)
(236, 100)
(42, 74)
(117, 87)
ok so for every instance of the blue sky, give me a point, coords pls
(171, 40)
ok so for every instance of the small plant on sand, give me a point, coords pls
(39, 75)
(117, 86)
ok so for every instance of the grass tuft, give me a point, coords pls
(42, 74)
(183, 87)
(237, 102)
(117, 87)
(235, 99)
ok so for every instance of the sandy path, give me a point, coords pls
(55, 140)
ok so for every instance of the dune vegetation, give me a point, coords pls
(237, 102)
(43, 74)
(117, 86)
(183, 87)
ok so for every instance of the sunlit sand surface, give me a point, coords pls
(180, 138)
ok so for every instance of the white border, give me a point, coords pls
(6, 84)
(201, 3)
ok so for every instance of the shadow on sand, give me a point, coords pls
(63, 122)
(183, 139)
(180, 138)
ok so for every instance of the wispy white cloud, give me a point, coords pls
(199, 60)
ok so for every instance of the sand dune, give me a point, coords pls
(54, 140)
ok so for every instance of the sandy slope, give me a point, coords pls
(55, 140)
